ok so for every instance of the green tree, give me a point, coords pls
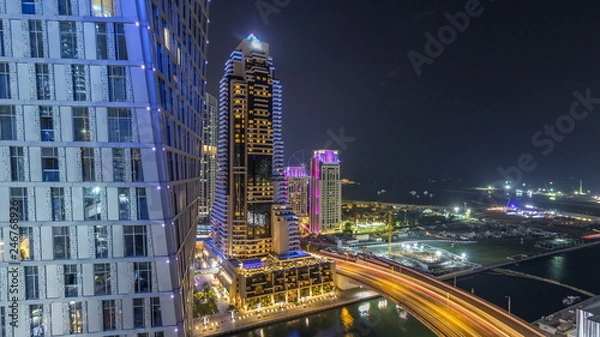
(205, 301)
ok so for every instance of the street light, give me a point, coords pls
(508, 297)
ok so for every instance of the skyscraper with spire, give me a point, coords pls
(254, 229)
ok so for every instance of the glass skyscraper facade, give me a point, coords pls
(101, 104)
(255, 232)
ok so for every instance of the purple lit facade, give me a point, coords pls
(325, 198)
(297, 179)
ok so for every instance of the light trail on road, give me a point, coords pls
(446, 310)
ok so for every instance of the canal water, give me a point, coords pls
(349, 321)
(530, 299)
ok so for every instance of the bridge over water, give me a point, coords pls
(542, 279)
(446, 310)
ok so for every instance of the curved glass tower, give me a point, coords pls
(100, 128)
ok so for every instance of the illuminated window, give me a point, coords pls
(26, 243)
(76, 317)
(102, 8)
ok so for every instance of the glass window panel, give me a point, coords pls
(117, 88)
(17, 164)
(92, 203)
(46, 124)
(4, 80)
(68, 40)
(50, 170)
(62, 243)
(101, 41)
(102, 8)
(81, 124)
(18, 197)
(79, 87)
(36, 38)
(101, 236)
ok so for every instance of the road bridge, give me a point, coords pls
(446, 310)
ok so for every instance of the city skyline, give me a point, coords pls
(473, 110)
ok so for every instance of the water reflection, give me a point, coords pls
(378, 319)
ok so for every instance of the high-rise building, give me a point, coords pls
(588, 320)
(255, 232)
(100, 127)
(249, 131)
(325, 200)
(297, 179)
(208, 172)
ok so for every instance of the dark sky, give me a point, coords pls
(476, 107)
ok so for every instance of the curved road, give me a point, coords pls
(446, 310)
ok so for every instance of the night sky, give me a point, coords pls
(344, 65)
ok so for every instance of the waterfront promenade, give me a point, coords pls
(221, 324)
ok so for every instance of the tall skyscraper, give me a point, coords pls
(255, 231)
(208, 173)
(325, 201)
(250, 152)
(100, 127)
(297, 179)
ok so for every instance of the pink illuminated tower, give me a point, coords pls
(325, 199)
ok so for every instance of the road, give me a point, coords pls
(446, 310)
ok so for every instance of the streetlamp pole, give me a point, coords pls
(508, 297)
